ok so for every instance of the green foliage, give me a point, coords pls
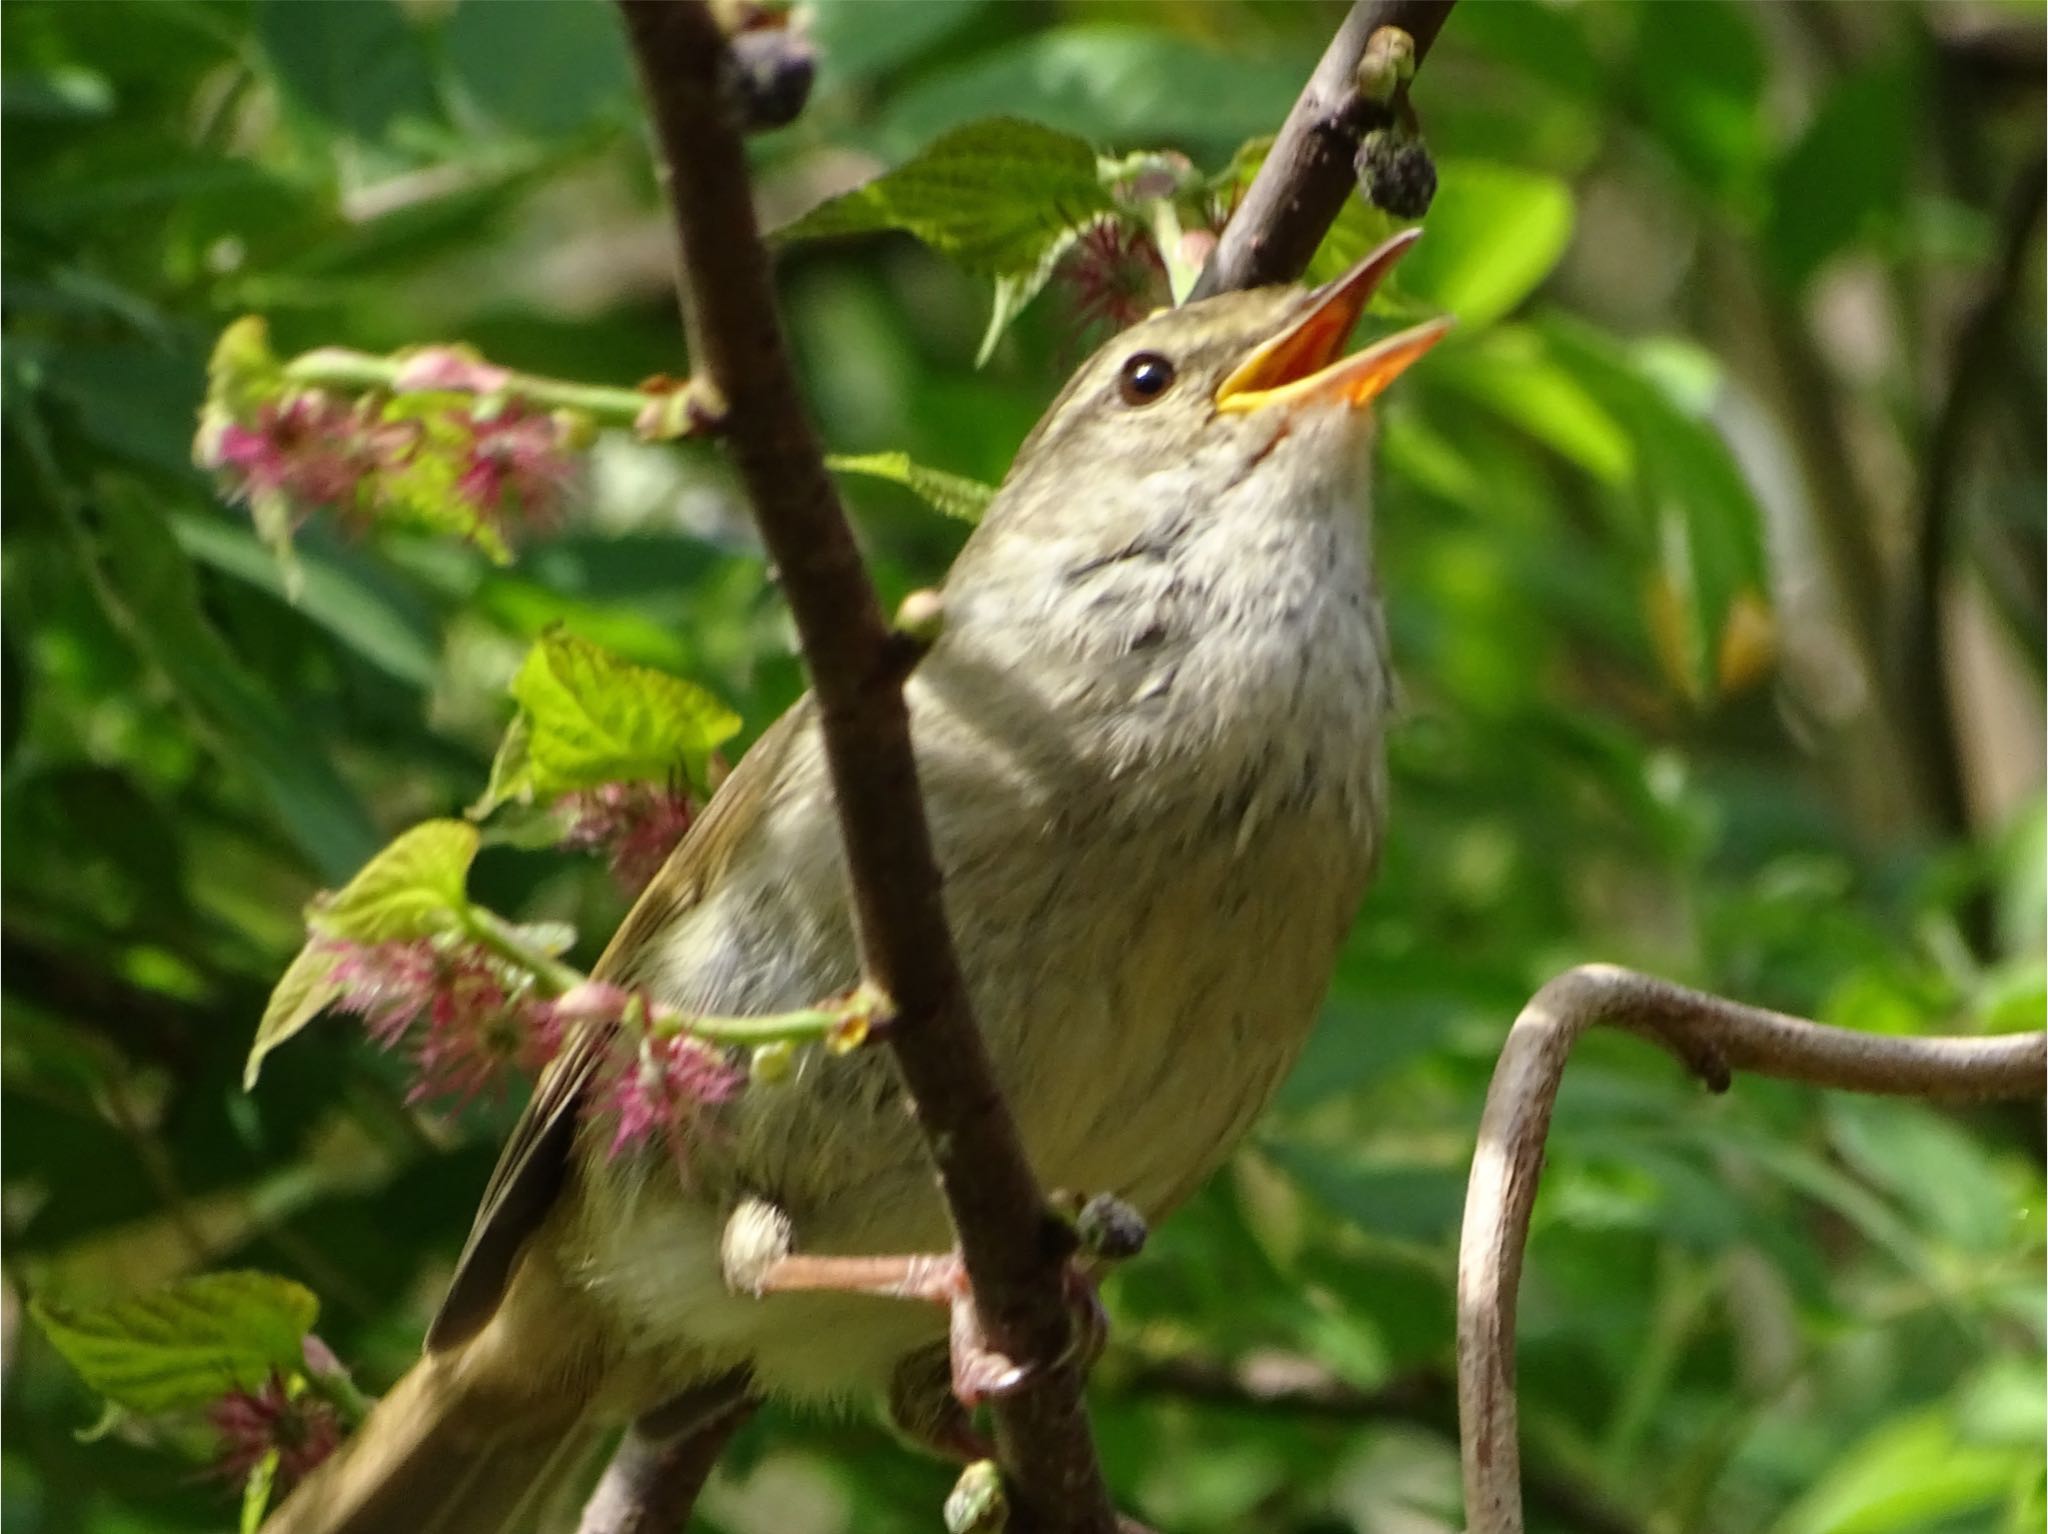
(413, 888)
(1711, 263)
(953, 494)
(994, 196)
(587, 718)
(185, 1344)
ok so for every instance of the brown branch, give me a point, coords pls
(1301, 187)
(1011, 1244)
(652, 1482)
(1918, 648)
(1712, 1037)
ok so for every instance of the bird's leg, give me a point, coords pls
(758, 1260)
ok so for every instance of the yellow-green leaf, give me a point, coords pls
(186, 1343)
(301, 994)
(594, 718)
(992, 195)
(954, 494)
(413, 888)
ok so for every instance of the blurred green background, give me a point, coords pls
(1713, 543)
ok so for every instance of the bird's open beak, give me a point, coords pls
(1301, 363)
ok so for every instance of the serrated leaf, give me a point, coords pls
(413, 888)
(301, 994)
(954, 494)
(593, 718)
(992, 195)
(185, 1344)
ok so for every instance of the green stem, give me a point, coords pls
(333, 367)
(807, 1025)
(804, 1026)
(502, 938)
(342, 1393)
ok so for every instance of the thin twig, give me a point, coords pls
(1301, 187)
(1713, 1037)
(1006, 1233)
(652, 1483)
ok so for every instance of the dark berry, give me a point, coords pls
(775, 67)
(1395, 173)
(1110, 1229)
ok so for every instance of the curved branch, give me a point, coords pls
(1301, 187)
(736, 344)
(1713, 1037)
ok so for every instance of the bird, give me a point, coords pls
(1149, 737)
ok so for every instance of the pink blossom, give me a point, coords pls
(1113, 275)
(516, 470)
(637, 825)
(302, 1430)
(466, 1023)
(449, 368)
(310, 448)
(658, 1086)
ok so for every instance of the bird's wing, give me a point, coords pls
(535, 1161)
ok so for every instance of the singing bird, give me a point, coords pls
(1150, 743)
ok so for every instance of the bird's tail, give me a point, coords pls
(438, 1456)
(481, 1436)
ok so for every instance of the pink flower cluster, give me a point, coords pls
(1113, 275)
(469, 1025)
(311, 449)
(651, 1085)
(495, 465)
(636, 826)
(303, 1430)
(658, 1087)
(467, 1022)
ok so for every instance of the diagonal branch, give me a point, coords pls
(1713, 1037)
(1301, 187)
(1007, 1235)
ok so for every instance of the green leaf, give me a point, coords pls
(860, 39)
(591, 718)
(301, 994)
(1127, 86)
(1508, 372)
(1932, 1167)
(1845, 176)
(993, 196)
(1410, 1201)
(1492, 235)
(359, 66)
(1700, 70)
(1912, 1473)
(152, 595)
(1689, 510)
(361, 607)
(548, 68)
(413, 888)
(953, 494)
(186, 1344)
(256, 1493)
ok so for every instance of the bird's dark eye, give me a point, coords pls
(1144, 378)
